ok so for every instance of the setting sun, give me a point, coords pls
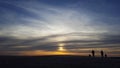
(61, 47)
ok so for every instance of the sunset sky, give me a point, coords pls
(59, 27)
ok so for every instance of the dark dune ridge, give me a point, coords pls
(64, 61)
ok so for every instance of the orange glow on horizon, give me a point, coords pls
(42, 53)
(62, 51)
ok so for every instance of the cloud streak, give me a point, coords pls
(108, 43)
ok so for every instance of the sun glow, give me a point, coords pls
(59, 39)
(42, 53)
(61, 47)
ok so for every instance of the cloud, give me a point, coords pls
(108, 43)
(49, 20)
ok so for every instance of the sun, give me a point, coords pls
(61, 47)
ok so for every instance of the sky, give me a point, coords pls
(59, 27)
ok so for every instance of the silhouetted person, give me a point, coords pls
(105, 55)
(102, 53)
(89, 55)
(93, 53)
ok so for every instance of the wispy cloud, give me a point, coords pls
(49, 20)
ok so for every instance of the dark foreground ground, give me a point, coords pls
(58, 62)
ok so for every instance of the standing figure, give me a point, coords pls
(105, 55)
(102, 53)
(93, 53)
